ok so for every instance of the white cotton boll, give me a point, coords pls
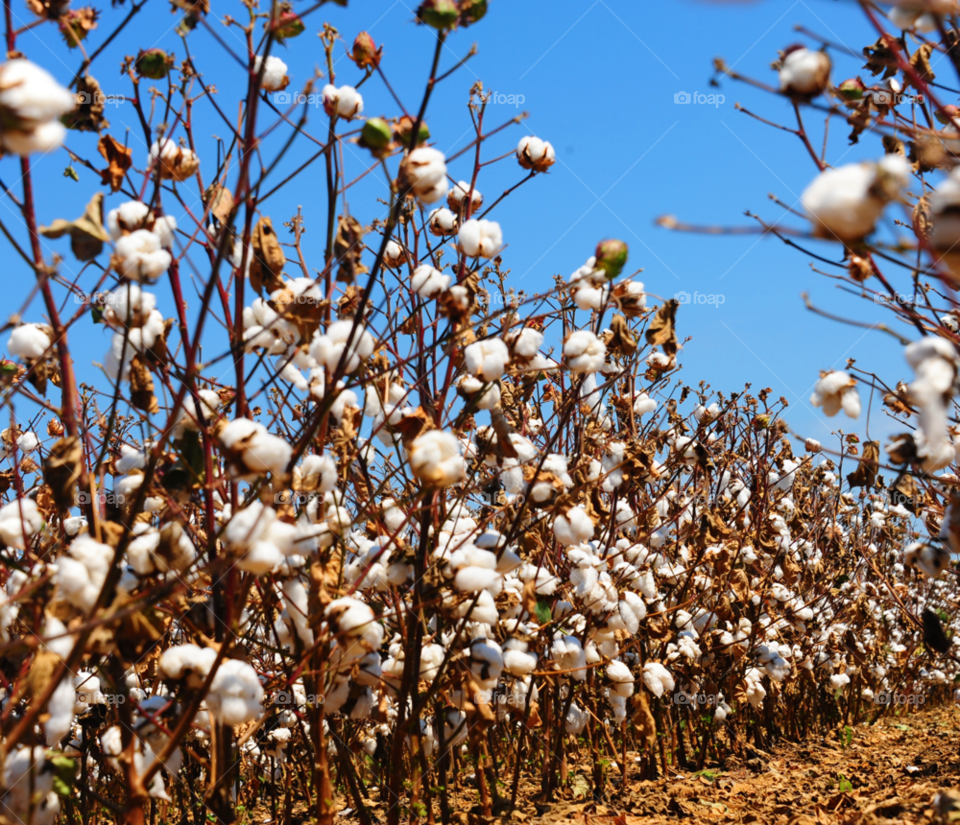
(141, 256)
(591, 297)
(355, 619)
(294, 377)
(534, 153)
(487, 359)
(657, 679)
(427, 281)
(435, 459)
(835, 391)
(187, 661)
(519, 662)
(128, 217)
(82, 571)
(804, 72)
(393, 255)
(484, 396)
(18, 517)
(584, 352)
(526, 343)
(643, 404)
(573, 528)
(257, 450)
(845, 203)
(620, 675)
(345, 102)
(28, 341)
(330, 347)
(934, 360)
(425, 171)
(295, 596)
(61, 713)
(442, 222)
(28, 781)
(319, 472)
(130, 459)
(31, 103)
(274, 73)
(236, 694)
(576, 719)
(472, 579)
(458, 194)
(480, 238)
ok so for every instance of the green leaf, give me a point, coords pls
(70, 172)
(544, 614)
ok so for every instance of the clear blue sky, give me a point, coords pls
(599, 80)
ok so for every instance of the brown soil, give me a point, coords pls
(884, 774)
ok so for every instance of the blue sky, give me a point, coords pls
(599, 80)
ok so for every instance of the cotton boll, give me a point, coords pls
(345, 102)
(834, 391)
(424, 171)
(427, 282)
(141, 257)
(82, 571)
(443, 222)
(804, 72)
(318, 472)
(274, 73)
(236, 694)
(29, 341)
(519, 662)
(934, 360)
(435, 459)
(845, 203)
(487, 359)
(576, 719)
(573, 528)
(28, 780)
(20, 520)
(480, 238)
(176, 162)
(535, 154)
(458, 195)
(31, 103)
(657, 679)
(256, 451)
(584, 352)
(329, 348)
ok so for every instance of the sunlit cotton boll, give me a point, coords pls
(934, 360)
(804, 72)
(584, 352)
(834, 391)
(458, 195)
(31, 103)
(141, 257)
(442, 222)
(535, 154)
(345, 102)
(424, 170)
(327, 349)
(256, 449)
(21, 516)
(428, 281)
(274, 73)
(573, 528)
(435, 459)
(487, 359)
(82, 571)
(176, 162)
(480, 238)
(657, 679)
(236, 694)
(28, 341)
(845, 203)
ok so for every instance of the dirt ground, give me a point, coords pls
(884, 774)
(869, 775)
